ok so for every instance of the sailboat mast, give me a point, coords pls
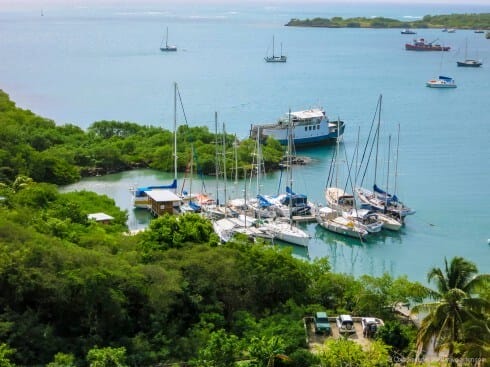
(258, 160)
(216, 156)
(377, 138)
(166, 39)
(224, 164)
(175, 131)
(192, 171)
(396, 161)
(290, 172)
(388, 171)
(273, 47)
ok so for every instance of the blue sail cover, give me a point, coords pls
(297, 200)
(263, 202)
(390, 198)
(446, 78)
(289, 191)
(140, 191)
(194, 206)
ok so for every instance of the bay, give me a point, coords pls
(80, 65)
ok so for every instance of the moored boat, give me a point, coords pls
(329, 219)
(287, 232)
(469, 63)
(472, 63)
(408, 31)
(441, 82)
(421, 45)
(384, 203)
(167, 47)
(308, 127)
(275, 58)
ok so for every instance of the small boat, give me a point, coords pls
(329, 219)
(421, 45)
(441, 82)
(167, 47)
(289, 204)
(451, 30)
(366, 218)
(389, 222)
(487, 35)
(287, 232)
(226, 228)
(273, 57)
(385, 203)
(468, 62)
(479, 31)
(309, 127)
(408, 31)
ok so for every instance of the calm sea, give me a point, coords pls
(84, 64)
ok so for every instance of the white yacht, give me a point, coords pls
(308, 127)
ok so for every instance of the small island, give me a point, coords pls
(458, 21)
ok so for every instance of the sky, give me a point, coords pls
(37, 4)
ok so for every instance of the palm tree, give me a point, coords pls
(454, 304)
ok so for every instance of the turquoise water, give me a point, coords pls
(80, 65)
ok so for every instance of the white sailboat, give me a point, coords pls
(330, 219)
(288, 231)
(341, 215)
(275, 58)
(379, 199)
(167, 47)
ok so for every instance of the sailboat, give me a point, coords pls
(167, 47)
(275, 58)
(341, 214)
(282, 230)
(442, 81)
(378, 199)
(468, 62)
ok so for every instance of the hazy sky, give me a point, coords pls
(36, 4)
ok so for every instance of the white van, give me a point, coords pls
(345, 324)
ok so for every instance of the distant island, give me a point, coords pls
(457, 21)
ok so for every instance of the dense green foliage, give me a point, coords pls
(458, 312)
(74, 292)
(36, 147)
(460, 21)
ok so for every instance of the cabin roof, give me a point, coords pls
(308, 114)
(162, 195)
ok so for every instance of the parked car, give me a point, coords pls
(370, 326)
(322, 325)
(345, 324)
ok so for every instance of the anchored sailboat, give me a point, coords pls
(468, 62)
(275, 58)
(167, 47)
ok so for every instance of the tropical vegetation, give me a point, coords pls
(459, 21)
(36, 147)
(78, 293)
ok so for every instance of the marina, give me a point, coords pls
(343, 70)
